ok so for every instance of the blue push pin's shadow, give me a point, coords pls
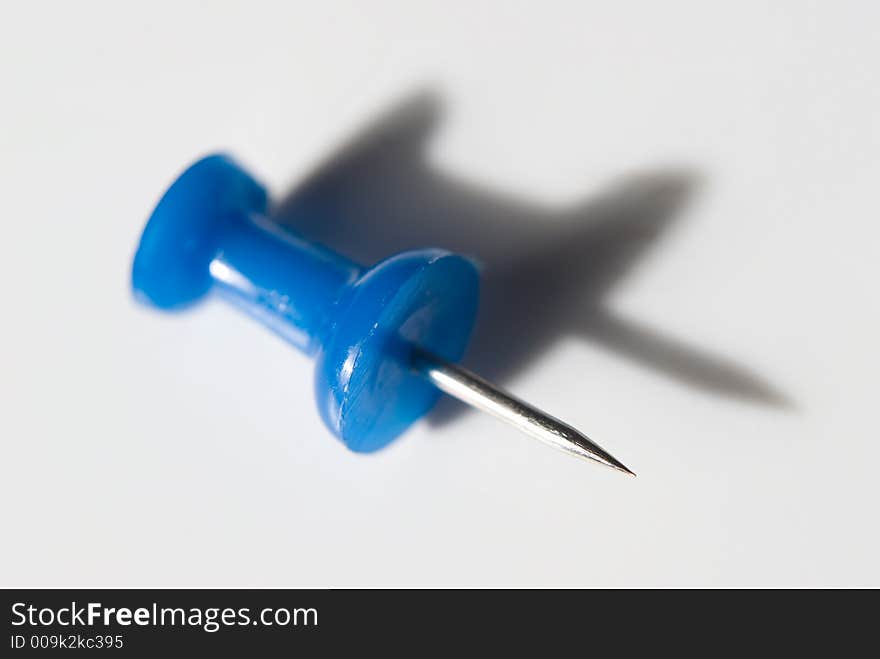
(546, 274)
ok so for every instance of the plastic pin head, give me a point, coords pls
(209, 234)
(170, 268)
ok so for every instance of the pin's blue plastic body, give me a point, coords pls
(210, 234)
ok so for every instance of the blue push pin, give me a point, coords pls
(386, 337)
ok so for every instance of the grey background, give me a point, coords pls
(676, 204)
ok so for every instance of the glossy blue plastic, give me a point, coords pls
(210, 234)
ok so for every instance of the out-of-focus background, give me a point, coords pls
(676, 206)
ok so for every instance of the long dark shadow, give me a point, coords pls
(547, 274)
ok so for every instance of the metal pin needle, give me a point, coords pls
(470, 388)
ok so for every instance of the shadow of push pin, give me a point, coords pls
(386, 337)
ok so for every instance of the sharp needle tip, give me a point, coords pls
(474, 390)
(597, 454)
(628, 472)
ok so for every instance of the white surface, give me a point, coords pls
(141, 449)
